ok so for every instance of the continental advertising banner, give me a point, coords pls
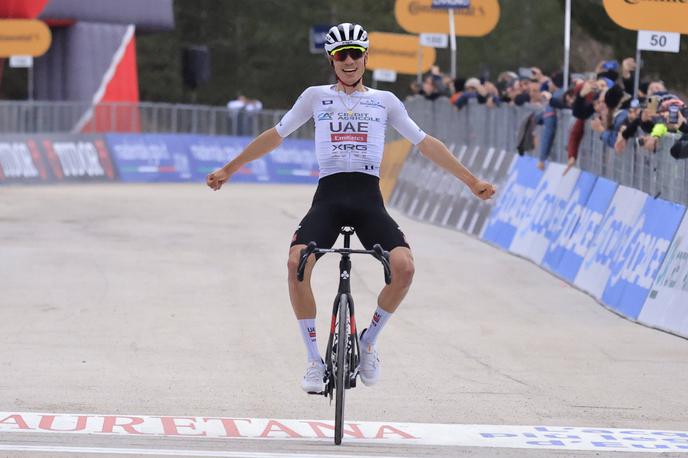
(665, 16)
(418, 16)
(45, 158)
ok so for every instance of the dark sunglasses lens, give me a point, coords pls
(344, 53)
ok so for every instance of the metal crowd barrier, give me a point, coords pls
(66, 117)
(477, 127)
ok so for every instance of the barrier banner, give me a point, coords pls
(646, 246)
(513, 202)
(449, 188)
(406, 180)
(21, 160)
(292, 162)
(610, 240)
(545, 213)
(78, 158)
(666, 306)
(392, 162)
(570, 237)
(150, 157)
(462, 196)
(57, 157)
(186, 157)
(493, 167)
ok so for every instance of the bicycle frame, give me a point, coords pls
(353, 343)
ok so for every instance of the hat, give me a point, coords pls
(472, 82)
(611, 65)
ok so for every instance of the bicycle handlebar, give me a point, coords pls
(377, 252)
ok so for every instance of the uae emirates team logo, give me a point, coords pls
(349, 137)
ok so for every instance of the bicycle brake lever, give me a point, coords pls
(383, 257)
(305, 253)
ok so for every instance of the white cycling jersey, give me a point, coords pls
(349, 129)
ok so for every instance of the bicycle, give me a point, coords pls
(342, 354)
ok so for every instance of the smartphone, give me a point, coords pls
(652, 102)
(673, 115)
(525, 72)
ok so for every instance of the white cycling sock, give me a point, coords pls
(308, 334)
(380, 317)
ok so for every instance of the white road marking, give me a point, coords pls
(169, 452)
(410, 434)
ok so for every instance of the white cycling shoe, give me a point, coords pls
(369, 365)
(313, 380)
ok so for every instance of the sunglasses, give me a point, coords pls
(341, 54)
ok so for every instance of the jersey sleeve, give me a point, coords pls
(399, 119)
(298, 115)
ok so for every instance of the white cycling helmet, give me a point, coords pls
(344, 35)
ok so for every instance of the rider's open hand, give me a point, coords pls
(216, 179)
(483, 189)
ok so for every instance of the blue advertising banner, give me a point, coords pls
(545, 213)
(179, 158)
(666, 306)
(610, 241)
(633, 272)
(513, 203)
(582, 216)
(149, 157)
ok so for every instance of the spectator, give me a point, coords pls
(522, 92)
(429, 88)
(558, 99)
(458, 85)
(615, 100)
(242, 112)
(244, 103)
(414, 88)
(474, 89)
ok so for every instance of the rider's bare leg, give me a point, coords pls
(300, 292)
(401, 262)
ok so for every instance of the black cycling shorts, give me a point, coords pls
(349, 199)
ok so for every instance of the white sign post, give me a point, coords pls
(659, 41)
(434, 40)
(649, 40)
(21, 61)
(386, 76)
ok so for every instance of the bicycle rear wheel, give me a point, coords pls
(342, 367)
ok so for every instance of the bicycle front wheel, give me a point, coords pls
(342, 367)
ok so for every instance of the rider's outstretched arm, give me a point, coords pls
(438, 153)
(259, 146)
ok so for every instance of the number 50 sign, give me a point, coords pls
(658, 41)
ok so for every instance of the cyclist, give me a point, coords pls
(350, 121)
